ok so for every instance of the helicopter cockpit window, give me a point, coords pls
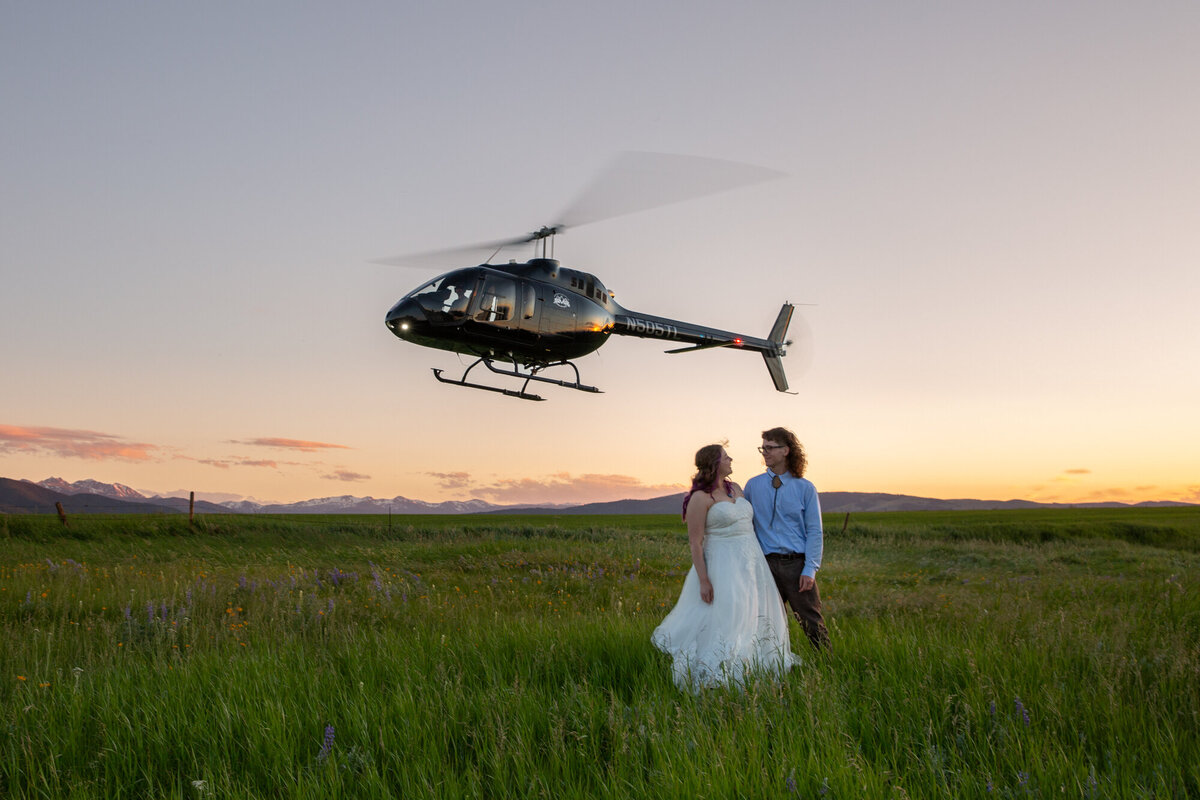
(497, 299)
(447, 297)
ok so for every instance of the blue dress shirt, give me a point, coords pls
(787, 519)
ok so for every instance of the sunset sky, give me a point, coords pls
(989, 220)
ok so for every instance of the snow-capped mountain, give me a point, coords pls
(348, 504)
(117, 491)
(344, 504)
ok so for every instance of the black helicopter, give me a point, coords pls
(539, 314)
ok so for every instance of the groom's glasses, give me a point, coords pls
(767, 447)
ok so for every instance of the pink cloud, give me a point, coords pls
(346, 475)
(293, 444)
(566, 488)
(64, 442)
(452, 480)
(226, 463)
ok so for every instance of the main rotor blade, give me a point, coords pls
(453, 256)
(639, 181)
(634, 181)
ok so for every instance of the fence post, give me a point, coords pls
(191, 506)
(62, 515)
(845, 522)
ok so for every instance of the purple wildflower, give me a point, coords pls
(327, 745)
(1024, 712)
(791, 782)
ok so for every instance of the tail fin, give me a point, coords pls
(778, 332)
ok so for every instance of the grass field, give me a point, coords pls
(976, 654)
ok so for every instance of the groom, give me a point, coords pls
(787, 521)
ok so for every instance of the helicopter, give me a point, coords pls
(538, 314)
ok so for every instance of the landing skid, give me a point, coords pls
(515, 373)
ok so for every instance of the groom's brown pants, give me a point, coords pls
(806, 606)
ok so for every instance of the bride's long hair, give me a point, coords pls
(708, 461)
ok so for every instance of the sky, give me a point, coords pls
(989, 221)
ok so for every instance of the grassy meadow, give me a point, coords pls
(976, 654)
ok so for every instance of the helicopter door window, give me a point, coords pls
(530, 300)
(497, 300)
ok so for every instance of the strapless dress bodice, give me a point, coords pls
(730, 519)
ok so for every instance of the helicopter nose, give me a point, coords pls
(404, 317)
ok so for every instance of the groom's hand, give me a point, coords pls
(807, 582)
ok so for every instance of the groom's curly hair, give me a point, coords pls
(797, 462)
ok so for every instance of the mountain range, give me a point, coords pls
(90, 496)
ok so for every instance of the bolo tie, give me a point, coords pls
(775, 484)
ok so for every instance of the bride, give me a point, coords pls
(729, 622)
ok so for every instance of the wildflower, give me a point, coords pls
(327, 745)
(1024, 712)
(791, 782)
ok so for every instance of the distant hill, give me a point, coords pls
(831, 502)
(24, 497)
(85, 497)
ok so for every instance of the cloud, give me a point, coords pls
(346, 475)
(293, 444)
(69, 443)
(1071, 475)
(566, 488)
(452, 480)
(226, 463)
(1109, 495)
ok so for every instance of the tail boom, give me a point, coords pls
(701, 337)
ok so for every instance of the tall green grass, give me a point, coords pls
(1006, 654)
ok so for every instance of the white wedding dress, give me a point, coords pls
(744, 630)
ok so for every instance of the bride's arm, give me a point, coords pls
(697, 513)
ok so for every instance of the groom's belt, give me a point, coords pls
(784, 556)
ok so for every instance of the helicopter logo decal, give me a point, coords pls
(539, 314)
